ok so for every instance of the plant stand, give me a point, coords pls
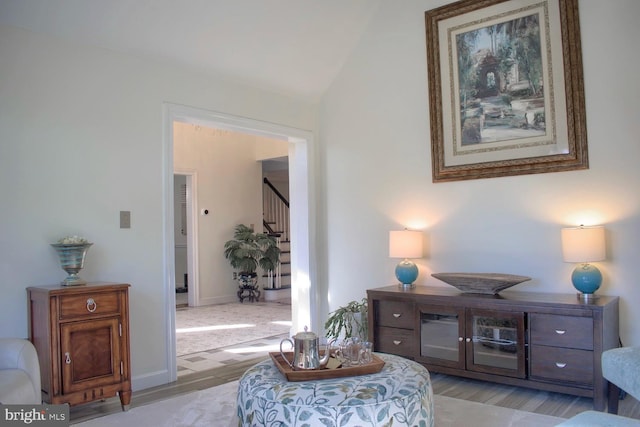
(250, 292)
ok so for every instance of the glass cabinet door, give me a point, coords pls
(441, 330)
(486, 341)
(495, 342)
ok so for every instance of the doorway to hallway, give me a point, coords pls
(302, 216)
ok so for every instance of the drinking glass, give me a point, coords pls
(366, 352)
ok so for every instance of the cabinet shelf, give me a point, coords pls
(442, 322)
(436, 347)
(498, 328)
(494, 341)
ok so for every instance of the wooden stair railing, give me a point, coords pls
(275, 215)
(275, 220)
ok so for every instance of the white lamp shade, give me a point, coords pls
(405, 244)
(583, 244)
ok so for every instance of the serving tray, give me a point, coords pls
(323, 373)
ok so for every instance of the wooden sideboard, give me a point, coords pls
(551, 342)
(81, 334)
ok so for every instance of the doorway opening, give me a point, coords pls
(180, 239)
(185, 228)
(303, 288)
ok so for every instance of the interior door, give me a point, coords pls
(90, 354)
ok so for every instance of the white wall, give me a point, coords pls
(377, 170)
(80, 140)
(269, 148)
(229, 186)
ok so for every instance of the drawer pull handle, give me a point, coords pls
(560, 365)
(460, 339)
(91, 305)
(468, 339)
(560, 331)
(397, 342)
(67, 358)
(396, 315)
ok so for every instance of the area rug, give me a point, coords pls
(216, 406)
(215, 326)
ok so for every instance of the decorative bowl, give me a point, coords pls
(481, 283)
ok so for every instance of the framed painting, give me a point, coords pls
(506, 92)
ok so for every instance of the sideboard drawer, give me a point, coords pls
(562, 331)
(395, 314)
(89, 304)
(563, 364)
(395, 341)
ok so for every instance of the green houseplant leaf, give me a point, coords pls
(249, 250)
(348, 321)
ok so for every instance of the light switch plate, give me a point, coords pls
(125, 219)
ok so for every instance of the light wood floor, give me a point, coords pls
(540, 402)
(193, 382)
(556, 404)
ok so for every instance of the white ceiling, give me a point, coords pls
(291, 46)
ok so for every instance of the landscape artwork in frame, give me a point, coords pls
(506, 92)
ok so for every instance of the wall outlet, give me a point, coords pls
(125, 219)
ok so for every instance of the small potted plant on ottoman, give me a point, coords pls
(348, 321)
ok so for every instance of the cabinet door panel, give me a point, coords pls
(90, 354)
(495, 342)
(441, 336)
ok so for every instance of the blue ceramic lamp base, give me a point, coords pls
(406, 273)
(587, 279)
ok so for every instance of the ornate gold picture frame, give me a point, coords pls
(506, 93)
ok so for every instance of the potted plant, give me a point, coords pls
(348, 321)
(249, 250)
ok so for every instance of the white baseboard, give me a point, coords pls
(276, 294)
(152, 379)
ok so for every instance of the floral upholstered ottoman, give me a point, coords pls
(399, 395)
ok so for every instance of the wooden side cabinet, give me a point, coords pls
(81, 334)
(550, 342)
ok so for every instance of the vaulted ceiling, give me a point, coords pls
(294, 47)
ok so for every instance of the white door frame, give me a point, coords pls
(302, 194)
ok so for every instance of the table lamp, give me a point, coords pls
(406, 244)
(584, 245)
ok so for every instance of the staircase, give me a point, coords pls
(276, 223)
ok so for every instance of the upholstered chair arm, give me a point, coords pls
(16, 353)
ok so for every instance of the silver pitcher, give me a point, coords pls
(306, 353)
